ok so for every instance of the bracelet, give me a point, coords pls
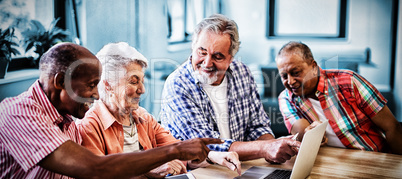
(209, 161)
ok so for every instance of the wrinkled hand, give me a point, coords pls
(195, 149)
(279, 150)
(227, 159)
(173, 167)
(312, 126)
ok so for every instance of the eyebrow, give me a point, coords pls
(92, 81)
(203, 49)
(215, 53)
(291, 70)
(219, 53)
(134, 76)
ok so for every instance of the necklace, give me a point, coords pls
(132, 126)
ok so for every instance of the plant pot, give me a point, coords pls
(20, 63)
(4, 61)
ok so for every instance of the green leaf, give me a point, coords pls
(42, 39)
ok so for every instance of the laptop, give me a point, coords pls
(304, 160)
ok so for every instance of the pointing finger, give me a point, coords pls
(212, 141)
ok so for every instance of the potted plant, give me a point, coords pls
(42, 39)
(7, 48)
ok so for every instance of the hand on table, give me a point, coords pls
(227, 159)
(174, 167)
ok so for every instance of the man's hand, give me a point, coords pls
(278, 150)
(195, 149)
(227, 159)
(312, 126)
(173, 167)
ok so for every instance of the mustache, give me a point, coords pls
(213, 68)
(136, 99)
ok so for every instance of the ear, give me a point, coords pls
(314, 64)
(315, 67)
(58, 81)
(107, 85)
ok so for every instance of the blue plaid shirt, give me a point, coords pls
(187, 111)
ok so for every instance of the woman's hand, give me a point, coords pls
(174, 167)
(227, 159)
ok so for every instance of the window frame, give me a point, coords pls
(342, 24)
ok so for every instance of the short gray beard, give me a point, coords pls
(204, 77)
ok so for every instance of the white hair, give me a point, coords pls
(114, 57)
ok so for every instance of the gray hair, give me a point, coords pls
(114, 57)
(219, 24)
(299, 48)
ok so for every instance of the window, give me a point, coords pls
(308, 18)
(183, 15)
(18, 13)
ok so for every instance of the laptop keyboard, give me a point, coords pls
(279, 174)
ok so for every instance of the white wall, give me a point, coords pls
(369, 25)
(103, 22)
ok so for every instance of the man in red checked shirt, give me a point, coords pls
(356, 111)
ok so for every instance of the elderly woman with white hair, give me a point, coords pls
(116, 123)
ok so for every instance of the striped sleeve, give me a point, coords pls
(28, 133)
(368, 97)
(288, 110)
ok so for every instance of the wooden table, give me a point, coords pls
(330, 163)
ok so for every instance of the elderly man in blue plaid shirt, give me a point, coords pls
(213, 95)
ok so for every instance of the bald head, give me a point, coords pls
(296, 48)
(58, 58)
(69, 75)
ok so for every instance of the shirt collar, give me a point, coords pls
(321, 86)
(104, 114)
(191, 69)
(45, 102)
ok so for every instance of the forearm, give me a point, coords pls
(394, 139)
(135, 164)
(249, 150)
(386, 121)
(246, 150)
(298, 127)
(75, 161)
(266, 137)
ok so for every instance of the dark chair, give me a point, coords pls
(272, 88)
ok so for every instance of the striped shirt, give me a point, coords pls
(188, 113)
(349, 102)
(29, 131)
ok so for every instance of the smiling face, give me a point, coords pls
(210, 57)
(129, 89)
(297, 75)
(80, 89)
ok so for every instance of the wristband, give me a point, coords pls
(209, 161)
